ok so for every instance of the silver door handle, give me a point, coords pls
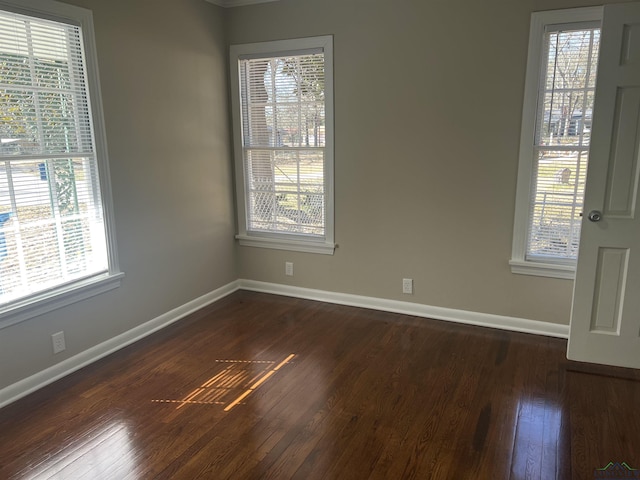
(595, 216)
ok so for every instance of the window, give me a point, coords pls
(54, 245)
(283, 140)
(554, 144)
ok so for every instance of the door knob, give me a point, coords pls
(595, 216)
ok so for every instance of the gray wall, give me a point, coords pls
(163, 73)
(428, 105)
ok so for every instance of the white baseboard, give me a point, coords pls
(30, 384)
(415, 309)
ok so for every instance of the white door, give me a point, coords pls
(605, 317)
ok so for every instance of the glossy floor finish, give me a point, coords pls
(260, 386)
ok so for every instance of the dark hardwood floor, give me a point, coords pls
(260, 386)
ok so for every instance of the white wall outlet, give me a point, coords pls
(58, 342)
(288, 269)
(407, 286)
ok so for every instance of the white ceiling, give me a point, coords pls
(237, 3)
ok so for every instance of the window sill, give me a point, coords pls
(567, 272)
(41, 303)
(293, 245)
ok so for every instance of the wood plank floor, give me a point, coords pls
(268, 387)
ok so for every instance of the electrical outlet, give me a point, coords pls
(288, 269)
(407, 286)
(58, 342)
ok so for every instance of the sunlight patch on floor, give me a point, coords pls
(232, 385)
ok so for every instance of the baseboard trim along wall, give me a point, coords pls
(45, 377)
(49, 375)
(415, 309)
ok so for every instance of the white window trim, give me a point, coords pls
(539, 20)
(79, 290)
(284, 241)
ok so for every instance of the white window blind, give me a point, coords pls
(284, 141)
(561, 145)
(52, 230)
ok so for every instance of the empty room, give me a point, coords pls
(319, 239)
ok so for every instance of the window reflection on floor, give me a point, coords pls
(537, 434)
(102, 454)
